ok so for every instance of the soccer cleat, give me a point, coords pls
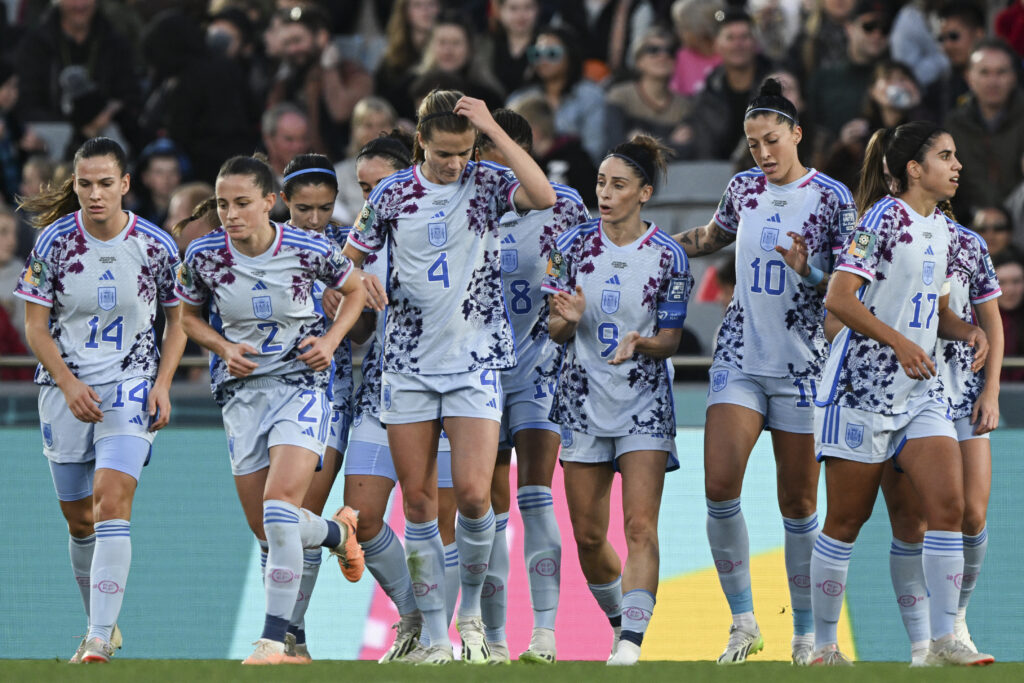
(474, 646)
(77, 657)
(829, 656)
(803, 648)
(97, 652)
(542, 647)
(116, 639)
(292, 648)
(949, 651)
(498, 652)
(406, 638)
(960, 631)
(918, 657)
(616, 632)
(437, 655)
(416, 655)
(270, 652)
(626, 654)
(742, 643)
(349, 552)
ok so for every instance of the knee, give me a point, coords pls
(797, 504)
(420, 505)
(974, 519)
(473, 501)
(80, 528)
(368, 527)
(909, 528)
(947, 512)
(588, 539)
(111, 506)
(722, 488)
(844, 525)
(641, 533)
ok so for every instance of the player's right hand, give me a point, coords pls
(376, 295)
(234, 357)
(82, 401)
(914, 360)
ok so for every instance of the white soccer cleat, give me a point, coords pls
(829, 656)
(116, 640)
(616, 634)
(742, 643)
(626, 654)
(97, 652)
(271, 652)
(803, 648)
(498, 652)
(437, 655)
(949, 651)
(960, 631)
(474, 645)
(296, 649)
(77, 657)
(407, 636)
(542, 647)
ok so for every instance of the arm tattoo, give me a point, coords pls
(705, 240)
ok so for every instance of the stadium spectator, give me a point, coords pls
(513, 26)
(371, 117)
(10, 270)
(1009, 26)
(645, 103)
(914, 45)
(408, 31)
(231, 33)
(717, 117)
(557, 74)
(450, 50)
(836, 92)
(995, 227)
(606, 29)
(157, 174)
(961, 25)
(989, 128)
(286, 134)
(694, 23)
(821, 42)
(16, 141)
(314, 74)
(183, 202)
(74, 67)
(1010, 272)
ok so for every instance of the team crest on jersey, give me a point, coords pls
(566, 436)
(261, 307)
(928, 272)
(365, 219)
(48, 434)
(106, 297)
(862, 244)
(385, 396)
(509, 260)
(769, 238)
(35, 273)
(847, 219)
(437, 233)
(609, 301)
(556, 264)
(719, 379)
(854, 435)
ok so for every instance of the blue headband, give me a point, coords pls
(774, 111)
(633, 162)
(325, 171)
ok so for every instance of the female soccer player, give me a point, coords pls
(91, 288)
(619, 287)
(446, 337)
(880, 396)
(786, 220)
(528, 390)
(270, 375)
(973, 401)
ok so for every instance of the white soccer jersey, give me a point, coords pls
(773, 326)
(446, 312)
(102, 296)
(265, 301)
(973, 281)
(526, 244)
(643, 286)
(367, 400)
(906, 259)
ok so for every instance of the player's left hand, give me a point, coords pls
(796, 256)
(626, 348)
(979, 340)
(319, 353)
(376, 295)
(985, 415)
(159, 408)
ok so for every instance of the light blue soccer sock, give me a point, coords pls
(452, 580)
(385, 558)
(830, 562)
(609, 599)
(907, 573)
(81, 551)
(493, 598)
(943, 560)
(637, 608)
(542, 552)
(425, 557)
(284, 566)
(730, 549)
(800, 536)
(311, 558)
(974, 555)
(475, 538)
(111, 560)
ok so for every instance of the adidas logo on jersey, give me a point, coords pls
(613, 280)
(439, 214)
(508, 239)
(308, 431)
(107, 276)
(775, 219)
(137, 420)
(259, 285)
(492, 404)
(929, 251)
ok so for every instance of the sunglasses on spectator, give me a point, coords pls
(552, 53)
(949, 36)
(654, 50)
(875, 25)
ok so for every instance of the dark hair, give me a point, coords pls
(255, 167)
(769, 100)
(965, 11)
(731, 16)
(310, 16)
(570, 41)
(54, 202)
(898, 147)
(318, 171)
(999, 45)
(394, 147)
(646, 155)
(517, 127)
(436, 114)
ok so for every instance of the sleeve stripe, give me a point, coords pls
(147, 228)
(359, 245)
(870, 277)
(184, 297)
(553, 290)
(32, 297)
(987, 296)
(873, 218)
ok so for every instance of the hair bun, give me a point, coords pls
(771, 87)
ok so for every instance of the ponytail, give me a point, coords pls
(202, 208)
(898, 147)
(872, 185)
(646, 155)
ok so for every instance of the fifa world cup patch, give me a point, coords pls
(862, 244)
(366, 217)
(36, 272)
(184, 275)
(556, 264)
(678, 289)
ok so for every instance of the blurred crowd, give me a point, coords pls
(185, 84)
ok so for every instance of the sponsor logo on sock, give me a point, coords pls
(800, 580)
(421, 589)
(545, 567)
(832, 588)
